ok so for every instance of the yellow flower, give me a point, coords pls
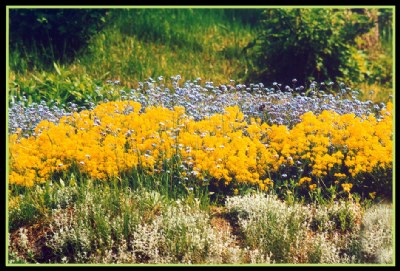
(312, 186)
(340, 175)
(347, 187)
(304, 179)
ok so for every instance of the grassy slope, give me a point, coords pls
(192, 43)
(137, 44)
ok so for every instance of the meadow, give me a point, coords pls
(150, 145)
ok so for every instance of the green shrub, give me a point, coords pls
(308, 43)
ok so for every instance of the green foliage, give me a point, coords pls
(180, 28)
(13, 258)
(63, 86)
(145, 25)
(308, 44)
(56, 34)
(380, 181)
(24, 215)
(31, 207)
(385, 24)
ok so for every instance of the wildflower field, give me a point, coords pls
(177, 169)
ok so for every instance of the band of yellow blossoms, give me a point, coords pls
(115, 138)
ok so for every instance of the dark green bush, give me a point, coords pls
(307, 44)
(55, 34)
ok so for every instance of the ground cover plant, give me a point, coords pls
(127, 153)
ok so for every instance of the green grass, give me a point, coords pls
(138, 44)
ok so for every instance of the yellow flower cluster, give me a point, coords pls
(304, 180)
(115, 137)
(328, 141)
